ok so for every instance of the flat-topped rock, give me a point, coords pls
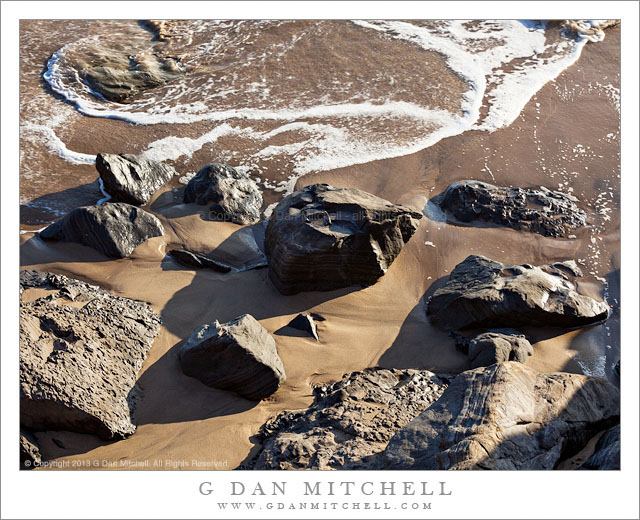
(495, 346)
(239, 356)
(191, 259)
(81, 349)
(132, 178)
(232, 196)
(484, 293)
(538, 210)
(114, 229)
(322, 238)
(506, 417)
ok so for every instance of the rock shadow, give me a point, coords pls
(47, 208)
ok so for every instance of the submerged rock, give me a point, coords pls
(322, 238)
(239, 356)
(189, 259)
(606, 455)
(232, 196)
(132, 178)
(495, 346)
(80, 353)
(114, 229)
(484, 293)
(506, 417)
(538, 210)
(305, 323)
(349, 423)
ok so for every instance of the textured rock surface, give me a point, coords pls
(483, 293)
(80, 353)
(305, 323)
(607, 453)
(506, 416)
(114, 229)
(29, 451)
(132, 178)
(349, 423)
(232, 196)
(189, 259)
(239, 356)
(322, 238)
(495, 346)
(539, 210)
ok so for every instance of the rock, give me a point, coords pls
(349, 423)
(79, 359)
(190, 259)
(29, 451)
(506, 417)
(495, 346)
(305, 323)
(484, 293)
(239, 356)
(132, 178)
(322, 238)
(538, 210)
(607, 453)
(114, 229)
(233, 196)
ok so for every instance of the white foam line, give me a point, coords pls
(106, 195)
(55, 144)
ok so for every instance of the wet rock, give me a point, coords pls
(322, 238)
(538, 210)
(132, 178)
(506, 417)
(239, 356)
(79, 359)
(305, 323)
(232, 196)
(29, 451)
(349, 423)
(495, 346)
(189, 259)
(484, 293)
(114, 229)
(607, 452)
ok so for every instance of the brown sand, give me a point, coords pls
(385, 325)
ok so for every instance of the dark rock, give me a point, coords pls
(233, 196)
(29, 451)
(322, 238)
(132, 178)
(79, 359)
(607, 453)
(305, 323)
(495, 346)
(239, 356)
(114, 229)
(349, 423)
(538, 210)
(483, 293)
(506, 416)
(189, 259)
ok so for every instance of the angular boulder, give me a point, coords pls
(538, 210)
(132, 178)
(506, 417)
(232, 196)
(350, 421)
(495, 346)
(239, 356)
(322, 238)
(305, 323)
(484, 293)
(114, 229)
(607, 452)
(80, 353)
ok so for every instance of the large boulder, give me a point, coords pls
(506, 416)
(322, 238)
(495, 346)
(239, 356)
(539, 210)
(349, 423)
(114, 229)
(132, 178)
(484, 293)
(231, 195)
(80, 353)
(607, 452)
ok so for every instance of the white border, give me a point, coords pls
(175, 494)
